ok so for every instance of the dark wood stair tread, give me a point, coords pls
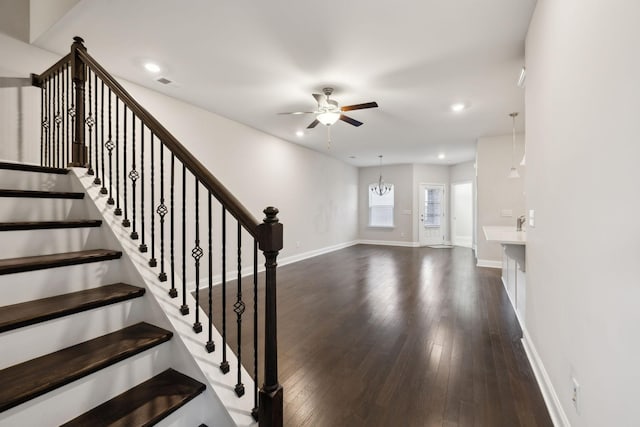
(145, 404)
(33, 168)
(41, 194)
(28, 313)
(39, 262)
(38, 376)
(45, 225)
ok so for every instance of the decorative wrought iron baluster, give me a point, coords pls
(110, 145)
(143, 246)
(90, 121)
(43, 123)
(72, 113)
(173, 292)
(224, 366)
(97, 180)
(51, 123)
(125, 220)
(210, 346)
(197, 253)
(254, 411)
(117, 211)
(57, 119)
(184, 308)
(153, 262)
(65, 102)
(162, 211)
(133, 176)
(103, 190)
(238, 308)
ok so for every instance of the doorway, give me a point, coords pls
(432, 214)
(462, 214)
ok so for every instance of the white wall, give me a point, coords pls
(465, 172)
(316, 194)
(582, 180)
(496, 192)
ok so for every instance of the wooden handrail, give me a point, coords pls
(37, 79)
(210, 182)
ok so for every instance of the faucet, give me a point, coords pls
(521, 219)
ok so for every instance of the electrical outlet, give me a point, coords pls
(575, 394)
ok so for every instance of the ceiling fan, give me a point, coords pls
(329, 112)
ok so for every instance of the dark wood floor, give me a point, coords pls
(390, 336)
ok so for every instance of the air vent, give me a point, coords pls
(163, 80)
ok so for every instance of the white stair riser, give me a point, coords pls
(49, 241)
(37, 209)
(71, 400)
(43, 338)
(31, 285)
(21, 180)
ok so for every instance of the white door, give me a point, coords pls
(462, 214)
(432, 214)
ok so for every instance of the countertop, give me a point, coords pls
(505, 235)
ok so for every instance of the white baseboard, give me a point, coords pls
(389, 243)
(316, 252)
(558, 417)
(489, 263)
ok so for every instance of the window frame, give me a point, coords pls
(371, 195)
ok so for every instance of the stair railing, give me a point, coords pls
(89, 120)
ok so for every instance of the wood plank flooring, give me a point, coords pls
(391, 336)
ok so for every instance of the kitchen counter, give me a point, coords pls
(505, 235)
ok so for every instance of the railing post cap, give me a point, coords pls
(271, 215)
(78, 39)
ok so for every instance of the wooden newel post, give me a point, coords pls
(270, 243)
(78, 71)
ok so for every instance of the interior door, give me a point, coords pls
(462, 214)
(432, 214)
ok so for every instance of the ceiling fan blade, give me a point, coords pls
(318, 97)
(301, 112)
(359, 106)
(349, 120)
(313, 124)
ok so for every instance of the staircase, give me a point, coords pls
(77, 349)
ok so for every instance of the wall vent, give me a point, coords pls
(163, 80)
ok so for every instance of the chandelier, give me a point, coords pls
(380, 188)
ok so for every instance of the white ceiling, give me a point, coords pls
(250, 60)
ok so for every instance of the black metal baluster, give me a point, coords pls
(162, 211)
(239, 307)
(143, 246)
(133, 176)
(196, 253)
(67, 119)
(72, 113)
(184, 309)
(117, 211)
(173, 292)
(210, 346)
(103, 190)
(125, 221)
(57, 119)
(51, 123)
(110, 146)
(224, 366)
(96, 180)
(43, 125)
(90, 121)
(254, 411)
(153, 262)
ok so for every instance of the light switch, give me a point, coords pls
(531, 218)
(506, 213)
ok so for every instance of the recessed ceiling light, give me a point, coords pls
(456, 108)
(300, 133)
(151, 67)
(441, 156)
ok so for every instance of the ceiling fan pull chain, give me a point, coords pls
(328, 137)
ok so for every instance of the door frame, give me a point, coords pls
(453, 210)
(445, 208)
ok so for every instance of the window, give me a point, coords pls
(381, 208)
(432, 207)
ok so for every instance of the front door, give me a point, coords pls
(432, 214)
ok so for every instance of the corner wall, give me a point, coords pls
(583, 273)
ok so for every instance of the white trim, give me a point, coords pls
(389, 243)
(489, 263)
(248, 271)
(558, 417)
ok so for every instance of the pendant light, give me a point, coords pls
(380, 188)
(513, 173)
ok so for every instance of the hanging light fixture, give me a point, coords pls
(381, 188)
(513, 173)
